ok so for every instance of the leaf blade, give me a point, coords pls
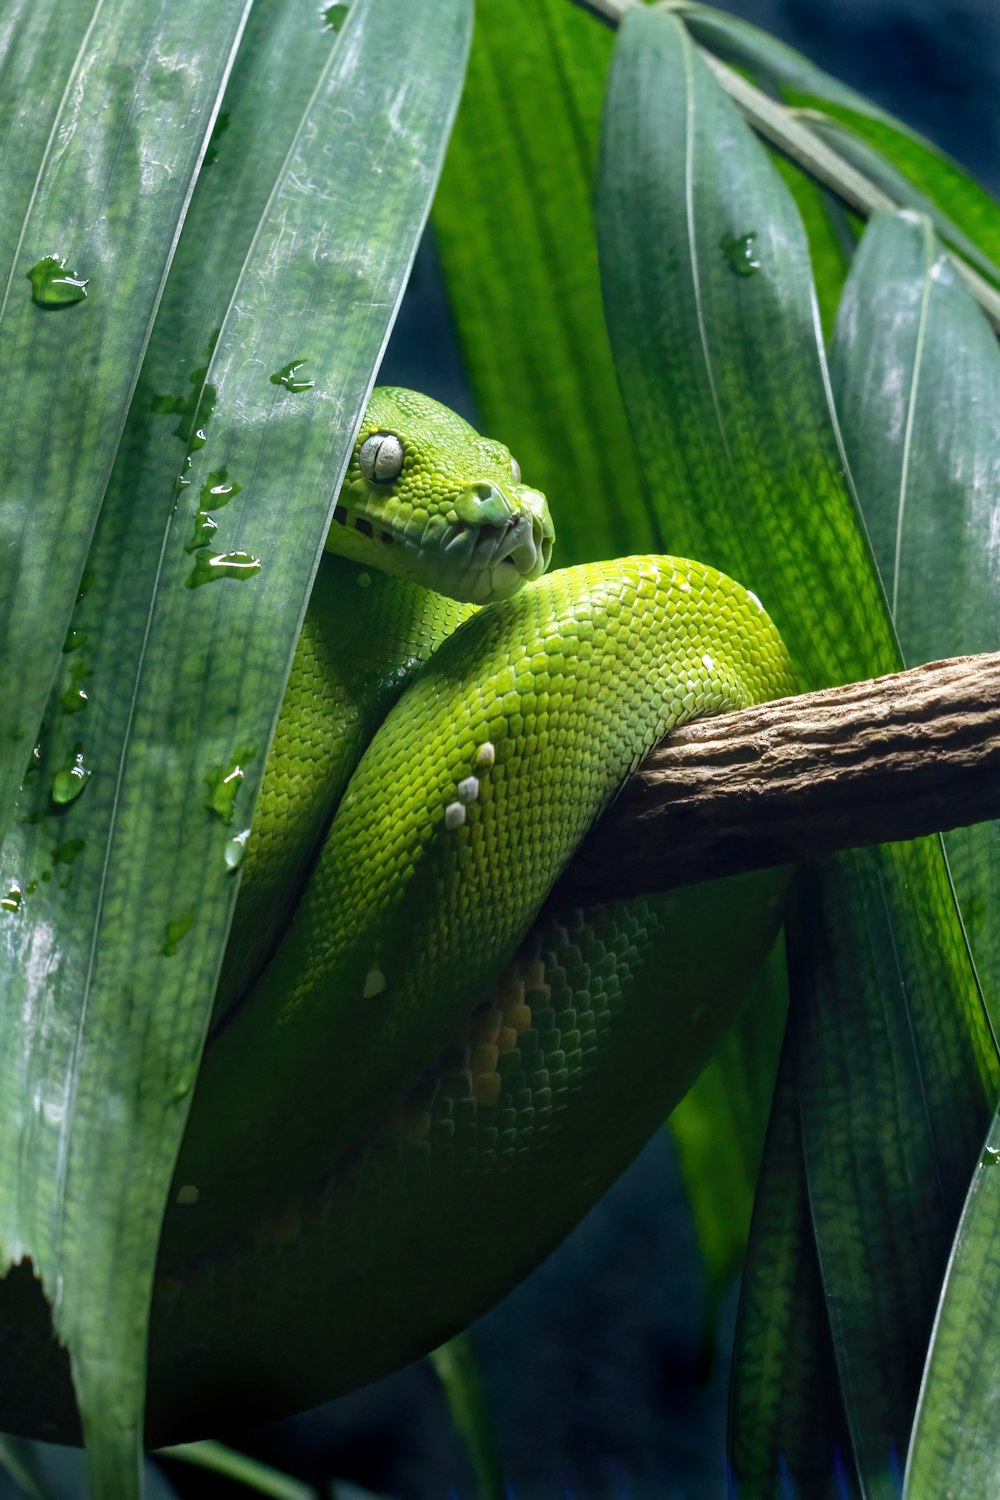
(109, 191)
(135, 985)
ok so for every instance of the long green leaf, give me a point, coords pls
(885, 1176)
(102, 1040)
(108, 112)
(718, 1128)
(458, 1371)
(956, 1432)
(787, 1433)
(917, 376)
(725, 385)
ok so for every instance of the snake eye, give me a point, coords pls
(515, 469)
(381, 457)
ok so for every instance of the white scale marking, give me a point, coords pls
(374, 984)
(454, 815)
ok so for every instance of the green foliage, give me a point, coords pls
(101, 1037)
(636, 289)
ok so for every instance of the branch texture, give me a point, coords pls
(914, 753)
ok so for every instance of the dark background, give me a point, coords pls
(595, 1367)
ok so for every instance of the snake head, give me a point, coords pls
(428, 499)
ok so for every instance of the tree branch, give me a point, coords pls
(914, 753)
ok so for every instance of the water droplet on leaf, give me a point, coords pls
(12, 900)
(216, 492)
(334, 17)
(70, 780)
(176, 931)
(53, 286)
(208, 569)
(286, 376)
(73, 700)
(74, 640)
(235, 850)
(67, 852)
(224, 782)
(741, 252)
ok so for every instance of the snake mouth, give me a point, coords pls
(475, 562)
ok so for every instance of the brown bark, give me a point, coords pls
(914, 753)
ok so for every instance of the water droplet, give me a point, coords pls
(204, 530)
(208, 569)
(990, 1157)
(182, 1087)
(195, 406)
(334, 17)
(73, 699)
(216, 492)
(31, 888)
(235, 849)
(12, 900)
(52, 285)
(176, 931)
(286, 376)
(74, 640)
(741, 253)
(188, 1194)
(70, 780)
(67, 852)
(224, 782)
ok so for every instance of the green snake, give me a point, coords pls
(421, 1076)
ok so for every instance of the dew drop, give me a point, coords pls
(204, 530)
(70, 780)
(224, 782)
(208, 569)
(52, 285)
(176, 931)
(73, 700)
(12, 900)
(74, 640)
(740, 251)
(334, 17)
(235, 849)
(286, 376)
(990, 1157)
(182, 1087)
(216, 492)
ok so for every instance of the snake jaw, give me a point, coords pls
(493, 541)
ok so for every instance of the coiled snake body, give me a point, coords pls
(386, 1136)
